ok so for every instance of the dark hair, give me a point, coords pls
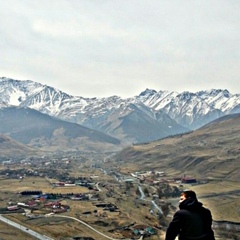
(189, 194)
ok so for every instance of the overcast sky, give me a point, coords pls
(100, 48)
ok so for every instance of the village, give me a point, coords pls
(106, 191)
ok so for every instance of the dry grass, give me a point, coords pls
(129, 212)
(225, 205)
(36, 183)
(210, 152)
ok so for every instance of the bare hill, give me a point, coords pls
(212, 151)
(11, 149)
(47, 133)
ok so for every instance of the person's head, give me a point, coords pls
(187, 194)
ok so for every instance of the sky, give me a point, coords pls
(101, 48)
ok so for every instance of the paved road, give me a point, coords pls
(63, 216)
(44, 237)
(97, 186)
(153, 203)
(24, 229)
(95, 230)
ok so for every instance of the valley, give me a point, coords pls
(69, 198)
(110, 168)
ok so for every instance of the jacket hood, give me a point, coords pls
(190, 204)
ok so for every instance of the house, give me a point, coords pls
(79, 197)
(32, 204)
(189, 180)
(12, 208)
(22, 205)
(52, 205)
(59, 184)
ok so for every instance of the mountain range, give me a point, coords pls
(149, 116)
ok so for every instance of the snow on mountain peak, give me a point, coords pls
(187, 109)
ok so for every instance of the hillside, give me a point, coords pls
(41, 131)
(212, 151)
(11, 149)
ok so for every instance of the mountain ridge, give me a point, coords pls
(181, 111)
(50, 134)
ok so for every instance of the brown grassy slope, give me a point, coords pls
(10, 148)
(212, 151)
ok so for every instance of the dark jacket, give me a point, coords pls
(191, 222)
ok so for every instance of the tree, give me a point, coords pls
(146, 191)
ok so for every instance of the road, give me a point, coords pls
(102, 234)
(160, 212)
(44, 237)
(95, 230)
(24, 229)
(97, 186)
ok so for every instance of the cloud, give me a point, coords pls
(121, 47)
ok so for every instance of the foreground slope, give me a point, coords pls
(212, 151)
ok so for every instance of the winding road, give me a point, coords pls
(102, 234)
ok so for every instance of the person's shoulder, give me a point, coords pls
(182, 211)
(206, 210)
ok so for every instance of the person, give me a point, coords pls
(192, 221)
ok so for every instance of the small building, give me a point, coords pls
(189, 180)
(53, 205)
(32, 204)
(59, 184)
(12, 208)
(24, 205)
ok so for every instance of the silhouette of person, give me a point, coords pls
(192, 221)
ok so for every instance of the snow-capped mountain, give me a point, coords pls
(148, 116)
(193, 110)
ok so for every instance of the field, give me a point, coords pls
(221, 197)
(224, 200)
(59, 228)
